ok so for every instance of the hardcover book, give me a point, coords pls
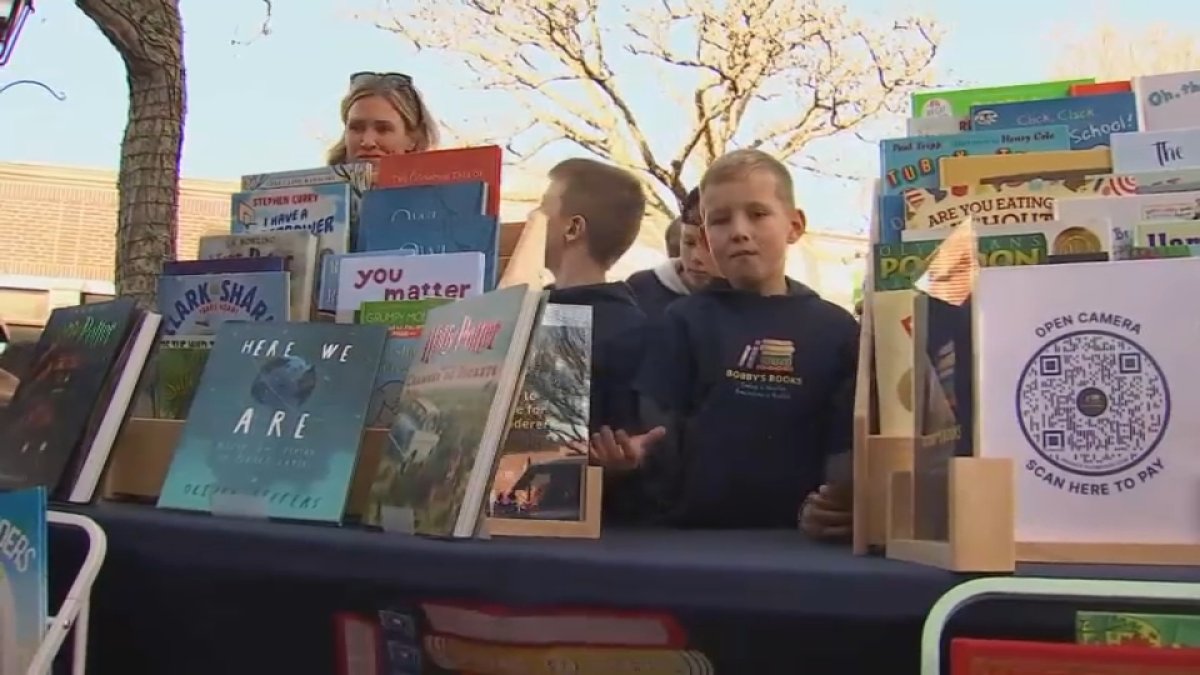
(49, 420)
(1165, 233)
(1057, 165)
(1124, 213)
(1091, 120)
(957, 103)
(899, 266)
(457, 401)
(405, 320)
(1001, 203)
(178, 365)
(358, 177)
(913, 162)
(297, 248)
(540, 471)
(1153, 151)
(24, 578)
(389, 276)
(197, 304)
(181, 268)
(1012, 657)
(438, 167)
(1089, 395)
(1168, 100)
(277, 421)
(893, 317)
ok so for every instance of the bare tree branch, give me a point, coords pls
(263, 30)
(746, 73)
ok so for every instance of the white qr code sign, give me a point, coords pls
(1088, 379)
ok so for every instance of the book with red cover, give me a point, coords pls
(437, 167)
(1099, 88)
(1015, 657)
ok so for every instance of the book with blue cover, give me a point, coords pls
(275, 428)
(1090, 120)
(197, 304)
(358, 177)
(180, 268)
(24, 578)
(912, 162)
(453, 234)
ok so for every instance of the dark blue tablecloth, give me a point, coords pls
(186, 593)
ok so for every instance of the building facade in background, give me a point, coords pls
(60, 242)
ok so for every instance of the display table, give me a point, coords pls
(184, 593)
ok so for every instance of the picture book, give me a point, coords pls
(437, 167)
(998, 203)
(899, 266)
(1091, 120)
(1157, 182)
(297, 248)
(1125, 212)
(420, 204)
(541, 468)
(1098, 88)
(180, 268)
(387, 276)
(1168, 100)
(328, 282)
(322, 209)
(1163, 233)
(277, 420)
(893, 316)
(1062, 365)
(24, 578)
(1041, 241)
(438, 463)
(1151, 151)
(891, 211)
(913, 162)
(1057, 165)
(50, 416)
(957, 103)
(198, 304)
(358, 177)
(178, 364)
(932, 126)
(453, 234)
(1173, 631)
(405, 320)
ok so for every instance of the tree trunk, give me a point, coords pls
(149, 36)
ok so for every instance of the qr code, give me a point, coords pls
(1093, 403)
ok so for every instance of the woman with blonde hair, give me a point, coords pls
(383, 114)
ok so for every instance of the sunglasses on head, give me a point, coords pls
(397, 80)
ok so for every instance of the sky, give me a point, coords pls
(271, 104)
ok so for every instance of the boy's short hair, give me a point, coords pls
(609, 198)
(671, 237)
(690, 209)
(738, 164)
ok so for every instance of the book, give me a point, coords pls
(405, 320)
(1059, 165)
(1124, 212)
(297, 248)
(24, 578)
(1014, 657)
(1020, 201)
(233, 265)
(1091, 120)
(540, 473)
(358, 178)
(197, 304)
(49, 422)
(1172, 631)
(178, 364)
(1098, 88)
(438, 167)
(1168, 100)
(913, 162)
(440, 457)
(893, 316)
(1028, 243)
(899, 266)
(277, 420)
(957, 103)
(1163, 233)
(406, 277)
(1152, 151)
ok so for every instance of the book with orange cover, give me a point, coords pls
(1013, 657)
(1098, 88)
(437, 167)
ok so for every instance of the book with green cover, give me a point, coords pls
(404, 319)
(958, 102)
(1150, 630)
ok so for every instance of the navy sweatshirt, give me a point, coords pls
(617, 346)
(756, 392)
(656, 288)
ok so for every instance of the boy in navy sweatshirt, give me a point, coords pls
(752, 377)
(593, 214)
(689, 269)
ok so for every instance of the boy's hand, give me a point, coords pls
(826, 514)
(621, 452)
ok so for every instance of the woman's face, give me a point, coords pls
(375, 129)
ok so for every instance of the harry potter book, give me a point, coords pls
(455, 408)
(275, 427)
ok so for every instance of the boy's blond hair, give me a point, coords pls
(738, 164)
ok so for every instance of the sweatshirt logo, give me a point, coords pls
(768, 356)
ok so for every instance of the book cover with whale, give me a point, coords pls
(276, 424)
